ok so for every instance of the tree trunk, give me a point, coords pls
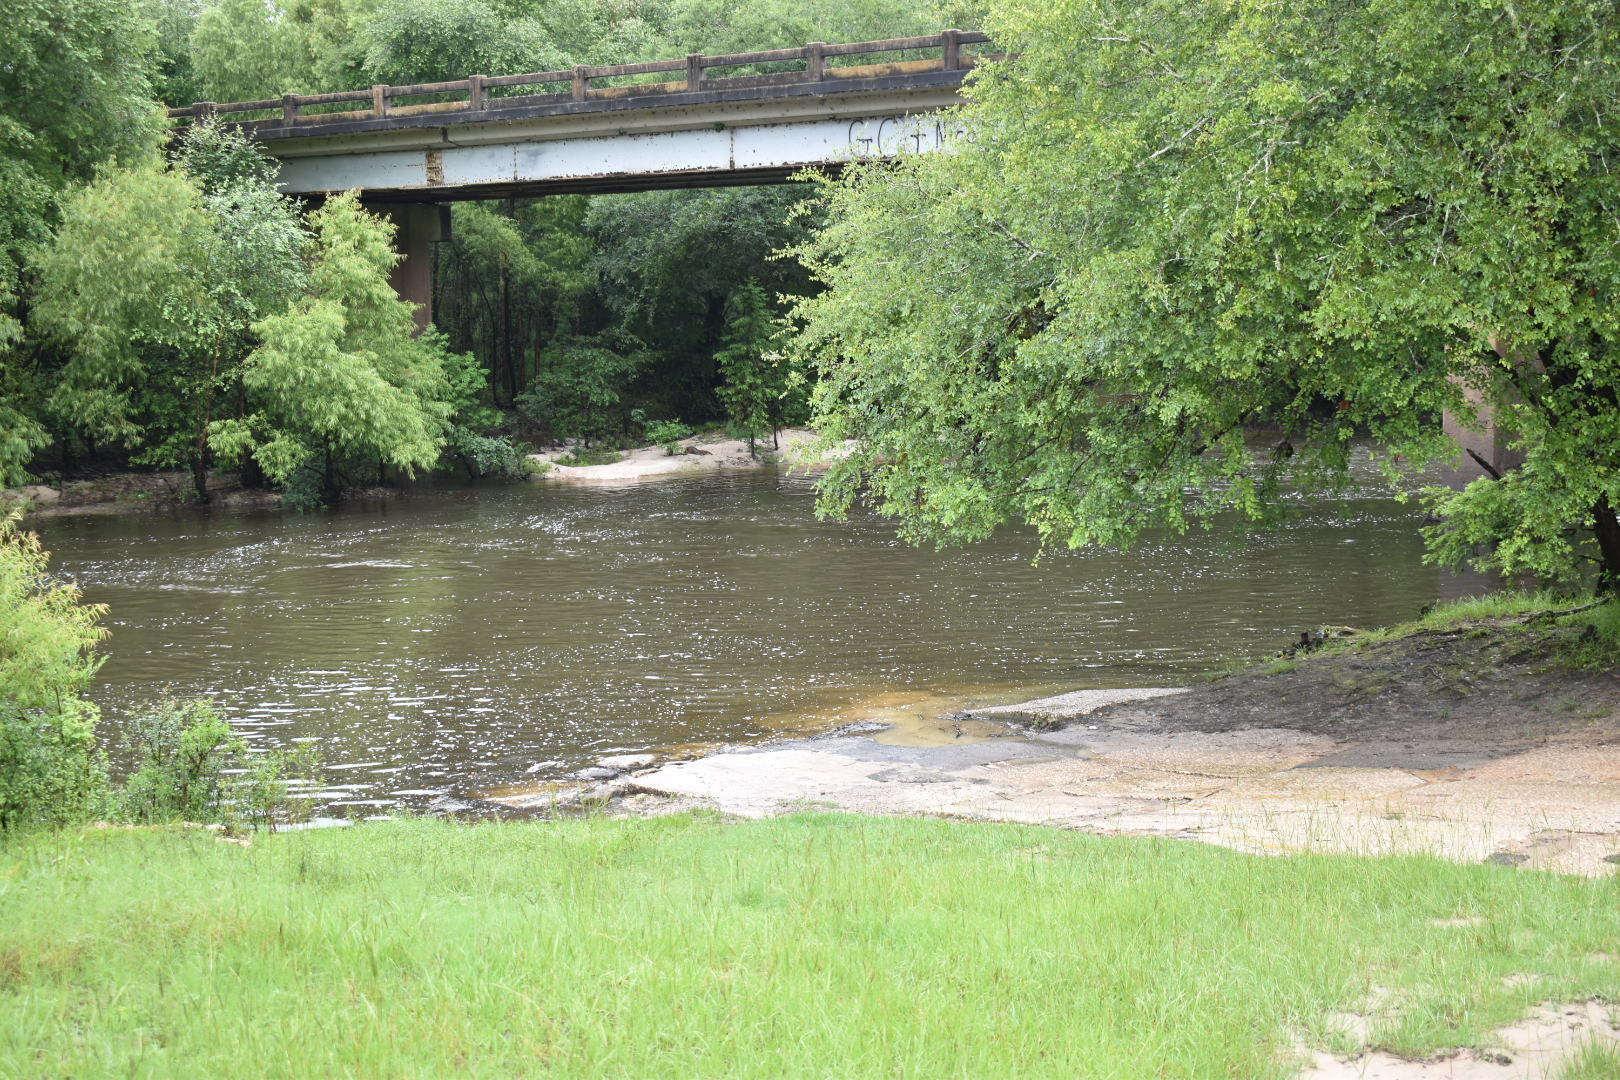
(251, 472)
(199, 477)
(1606, 526)
(505, 344)
(329, 488)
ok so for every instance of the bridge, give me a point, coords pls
(412, 149)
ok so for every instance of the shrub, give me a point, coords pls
(578, 392)
(665, 433)
(181, 749)
(51, 769)
(192, 767)
(489, 455)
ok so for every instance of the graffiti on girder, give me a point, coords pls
(891, 136)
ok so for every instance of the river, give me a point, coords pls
(458, 639)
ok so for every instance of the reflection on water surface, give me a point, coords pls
(453, 640)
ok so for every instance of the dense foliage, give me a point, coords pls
(180, 314)
(51, 768)
(758, 379)
(339, 375)
(75, 90)
(1170, 224)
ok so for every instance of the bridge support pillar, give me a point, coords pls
(1484, 445)
(418, 226)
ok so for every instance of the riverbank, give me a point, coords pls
(134, 493)
(1480, 733)
(800, 946)
(693, 456)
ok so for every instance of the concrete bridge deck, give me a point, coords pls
(411, 149)
(549, 132)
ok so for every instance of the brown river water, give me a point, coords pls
(458, 639)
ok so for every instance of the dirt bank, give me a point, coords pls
(125, 493)
(1481, 742)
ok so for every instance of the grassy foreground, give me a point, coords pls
(810, 946)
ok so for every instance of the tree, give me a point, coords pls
(245, 50)
(752, 372)
(411, 41)
(1169, 224)
(340, 375)
(721, 26)
(669, 263)
(51, 769)
(76, 84)
(511, 281)
(151, 286)
(578, 393)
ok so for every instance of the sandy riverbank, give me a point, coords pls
(793, 447)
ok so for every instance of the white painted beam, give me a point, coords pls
(525, 157)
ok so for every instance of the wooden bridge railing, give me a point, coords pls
(483, 93)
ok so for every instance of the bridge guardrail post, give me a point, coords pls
(475, 92)
(951, 52)
(379, 99)
(815, 61)
(289, 108)
(694, 72)
(580, 82)
(202, 111)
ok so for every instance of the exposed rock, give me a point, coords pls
(37, 494)
(543, 766)
(1075, 704)
(596, 772)
(626, 762)
(602, 794)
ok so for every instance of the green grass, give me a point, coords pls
(1491, 607)
(1592, 1062)
(810, 946)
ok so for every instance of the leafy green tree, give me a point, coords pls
(340, 376)
(152, 285)
(668, 263)
(752, 372)
(190, 765)
(51, 769)
(246, 50)
(181, 752)
(75, 86)
(721, 26)
(512, 279)
(471, 421)
(174, 77)
(412, 41)
(123, 288)
(76, 83)
(1168, 224)
(579, 391)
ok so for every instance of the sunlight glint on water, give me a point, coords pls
(452, 640)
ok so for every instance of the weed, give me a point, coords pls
(1592, 1062)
